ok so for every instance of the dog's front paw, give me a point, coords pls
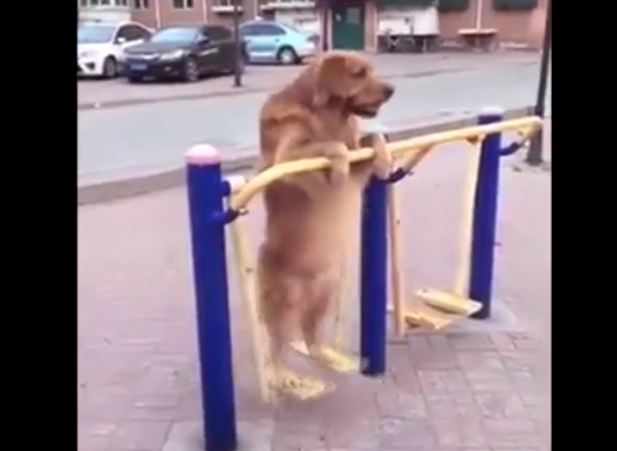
(339, 157)
(382, 163)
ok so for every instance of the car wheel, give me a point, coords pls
(287, 55)
(191, 72)
(110, 68)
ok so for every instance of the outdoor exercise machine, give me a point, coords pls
(216, 202)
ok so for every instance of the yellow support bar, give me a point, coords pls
(466, 230)
(396, 276)
(396, 245)
(418, 144)
(248, 285)
(411, 161)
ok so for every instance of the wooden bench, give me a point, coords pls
(425, 42)
(407, 43)
(483, 39)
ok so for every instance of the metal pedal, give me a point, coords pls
(448, 302)
(333, 358)
(423, 316)
(286, 383)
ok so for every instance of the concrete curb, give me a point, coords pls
(93, 192)
(85, 106)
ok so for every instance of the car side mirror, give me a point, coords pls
(121, 40)
(203, 40)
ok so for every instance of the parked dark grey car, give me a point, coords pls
(186, 52)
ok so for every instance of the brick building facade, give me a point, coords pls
(346, 23)
(518, 27)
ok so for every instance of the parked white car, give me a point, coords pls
(100, 46)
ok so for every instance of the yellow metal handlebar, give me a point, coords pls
(243, 196)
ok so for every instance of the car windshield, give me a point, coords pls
(94, 34)
(182, 34)
(293, 28)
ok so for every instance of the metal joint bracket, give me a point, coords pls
(228, 216)
(398, 175)
(510, 148)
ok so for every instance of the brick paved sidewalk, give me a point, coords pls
(442, 392)
(479, 391)
(481, 386)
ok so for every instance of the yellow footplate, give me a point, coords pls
(337, 360)
(287, 383)
(448, 302)
(423, 316)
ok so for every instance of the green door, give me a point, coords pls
(348, 27)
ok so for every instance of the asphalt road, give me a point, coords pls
(155, 135)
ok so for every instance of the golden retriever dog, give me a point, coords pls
(301, 264)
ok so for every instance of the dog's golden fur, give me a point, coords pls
(301, 263)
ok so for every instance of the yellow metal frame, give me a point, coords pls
(396, 244)
(241, 198)
(248, 282)
(409, 152)
(396, 274)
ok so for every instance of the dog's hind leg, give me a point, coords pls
(312, 322)
(278, 292)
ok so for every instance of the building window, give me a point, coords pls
(410, 3)
(183, 4)
(87, 3)
(141, 4)
(446, 6)
(515, 5)
(229, 2)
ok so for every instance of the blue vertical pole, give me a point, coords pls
(485, 217)
(205, 191)
(373, 317)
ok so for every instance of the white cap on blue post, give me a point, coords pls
(203, 155)
(492, 110)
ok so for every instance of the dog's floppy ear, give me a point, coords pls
(330, 78)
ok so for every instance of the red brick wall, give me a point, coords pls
(145, 16)
(250, 8)
(172, 16)
(517, 26)
(370, 26)
(450, 23)
(522, 27)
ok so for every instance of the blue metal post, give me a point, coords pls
(205, 191)
(485, 217)
(373, 316)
